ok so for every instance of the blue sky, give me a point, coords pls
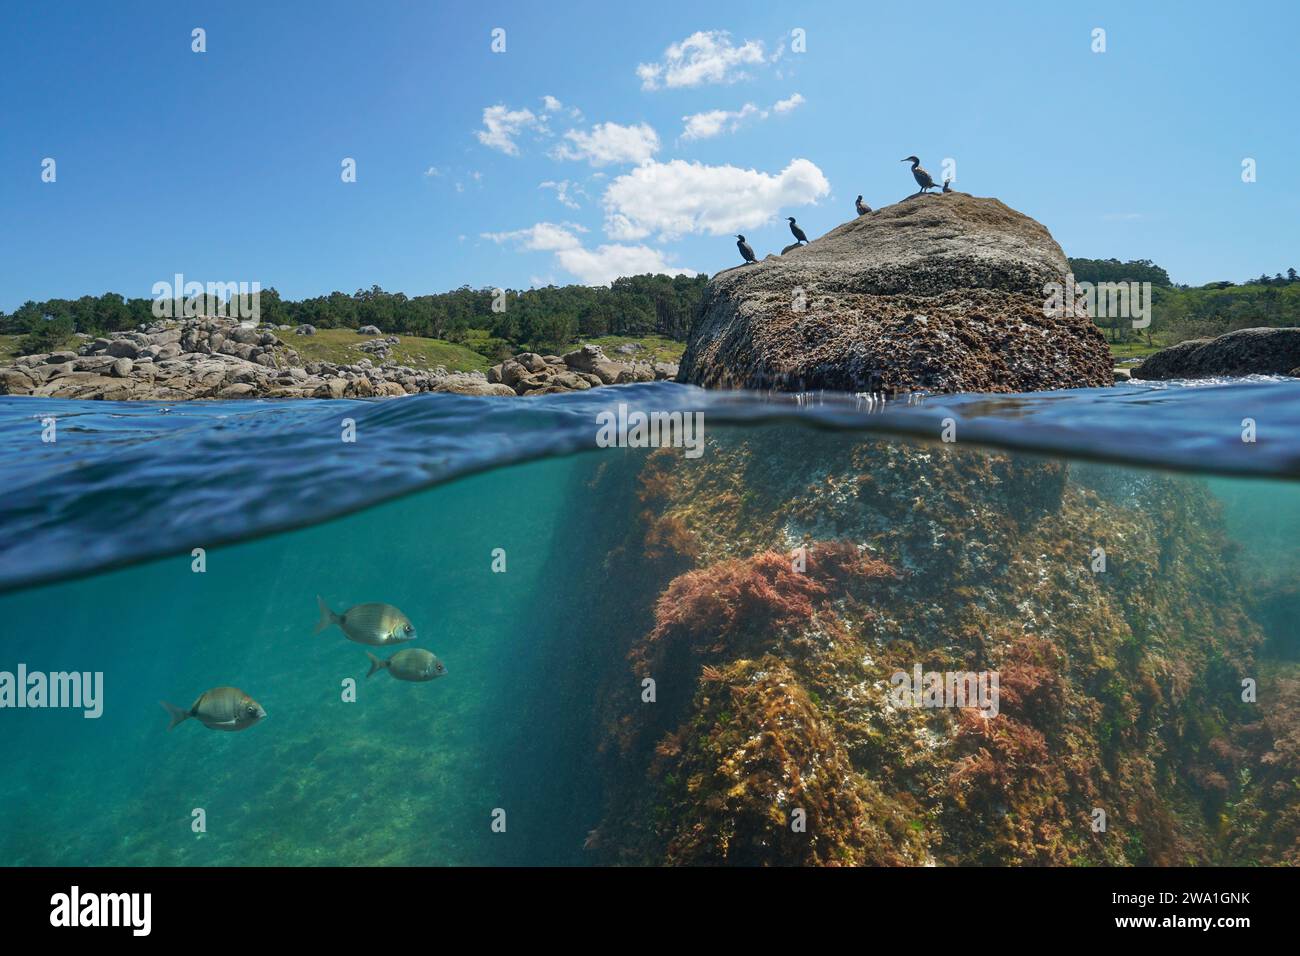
(225, 165)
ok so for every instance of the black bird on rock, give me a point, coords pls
(745, 250)
(922, 177)
(863, 208)
(947, 183)
(798, 233)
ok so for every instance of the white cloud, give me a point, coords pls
(501, 125)
(703, 57)
(789, 103)
(598, 266)
(433, 171)
(604, 264)
(622, 229)
(542, 237)
(609, 143)
(566, 192)
(677, 197)
(713, 122)
(550, 104)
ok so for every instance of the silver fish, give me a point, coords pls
(413, 664)
(222, 708)
(374, 624)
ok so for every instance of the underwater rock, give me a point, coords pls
(791, 593)
(943, 292)
(1244, 352)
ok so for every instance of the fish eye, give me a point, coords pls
(408, 629)
(439, 668)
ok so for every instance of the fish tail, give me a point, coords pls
(327, 617)
(178, 714)
(376, 664)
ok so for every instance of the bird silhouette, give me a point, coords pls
(947, 184)
(798, 233)
(863, 208)
(922, 177)
(745, 249)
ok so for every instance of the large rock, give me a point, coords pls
(942, 292)
(1244, 352)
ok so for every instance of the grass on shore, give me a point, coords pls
(340, 347)
(1131, 350)
(654, 348)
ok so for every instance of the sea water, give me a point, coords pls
(173, 549)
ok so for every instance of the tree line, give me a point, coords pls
(1181, 312)
(493, 321)
(535, 319)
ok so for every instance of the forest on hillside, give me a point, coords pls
(1181, 312)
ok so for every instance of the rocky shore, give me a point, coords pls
(224, 359)
(1244, 352)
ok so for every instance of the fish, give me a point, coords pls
(222, 708)
(374, 624)
(413, 664)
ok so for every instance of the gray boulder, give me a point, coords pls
(1244, 352)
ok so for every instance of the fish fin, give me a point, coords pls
(178, 714)
(376, 663)
(327, 617)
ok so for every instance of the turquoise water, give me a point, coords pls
(409, 773)
(416, 774)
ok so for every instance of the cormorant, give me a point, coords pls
(798, 233)
(946, 184)
(863, 208)
(745, 250)
(922, 177)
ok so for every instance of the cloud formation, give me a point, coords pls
(679, 198)
(702, 58)
(501, 125)
(598, 266)
(608, 143)
(709, 124)
(712, 122)
(566, 192)
(789, 103)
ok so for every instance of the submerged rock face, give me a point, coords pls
(940, 292)
(792, 587)
(1244, 352)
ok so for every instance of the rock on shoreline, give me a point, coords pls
(940, 292)
(220, 358)
(1244, 352)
